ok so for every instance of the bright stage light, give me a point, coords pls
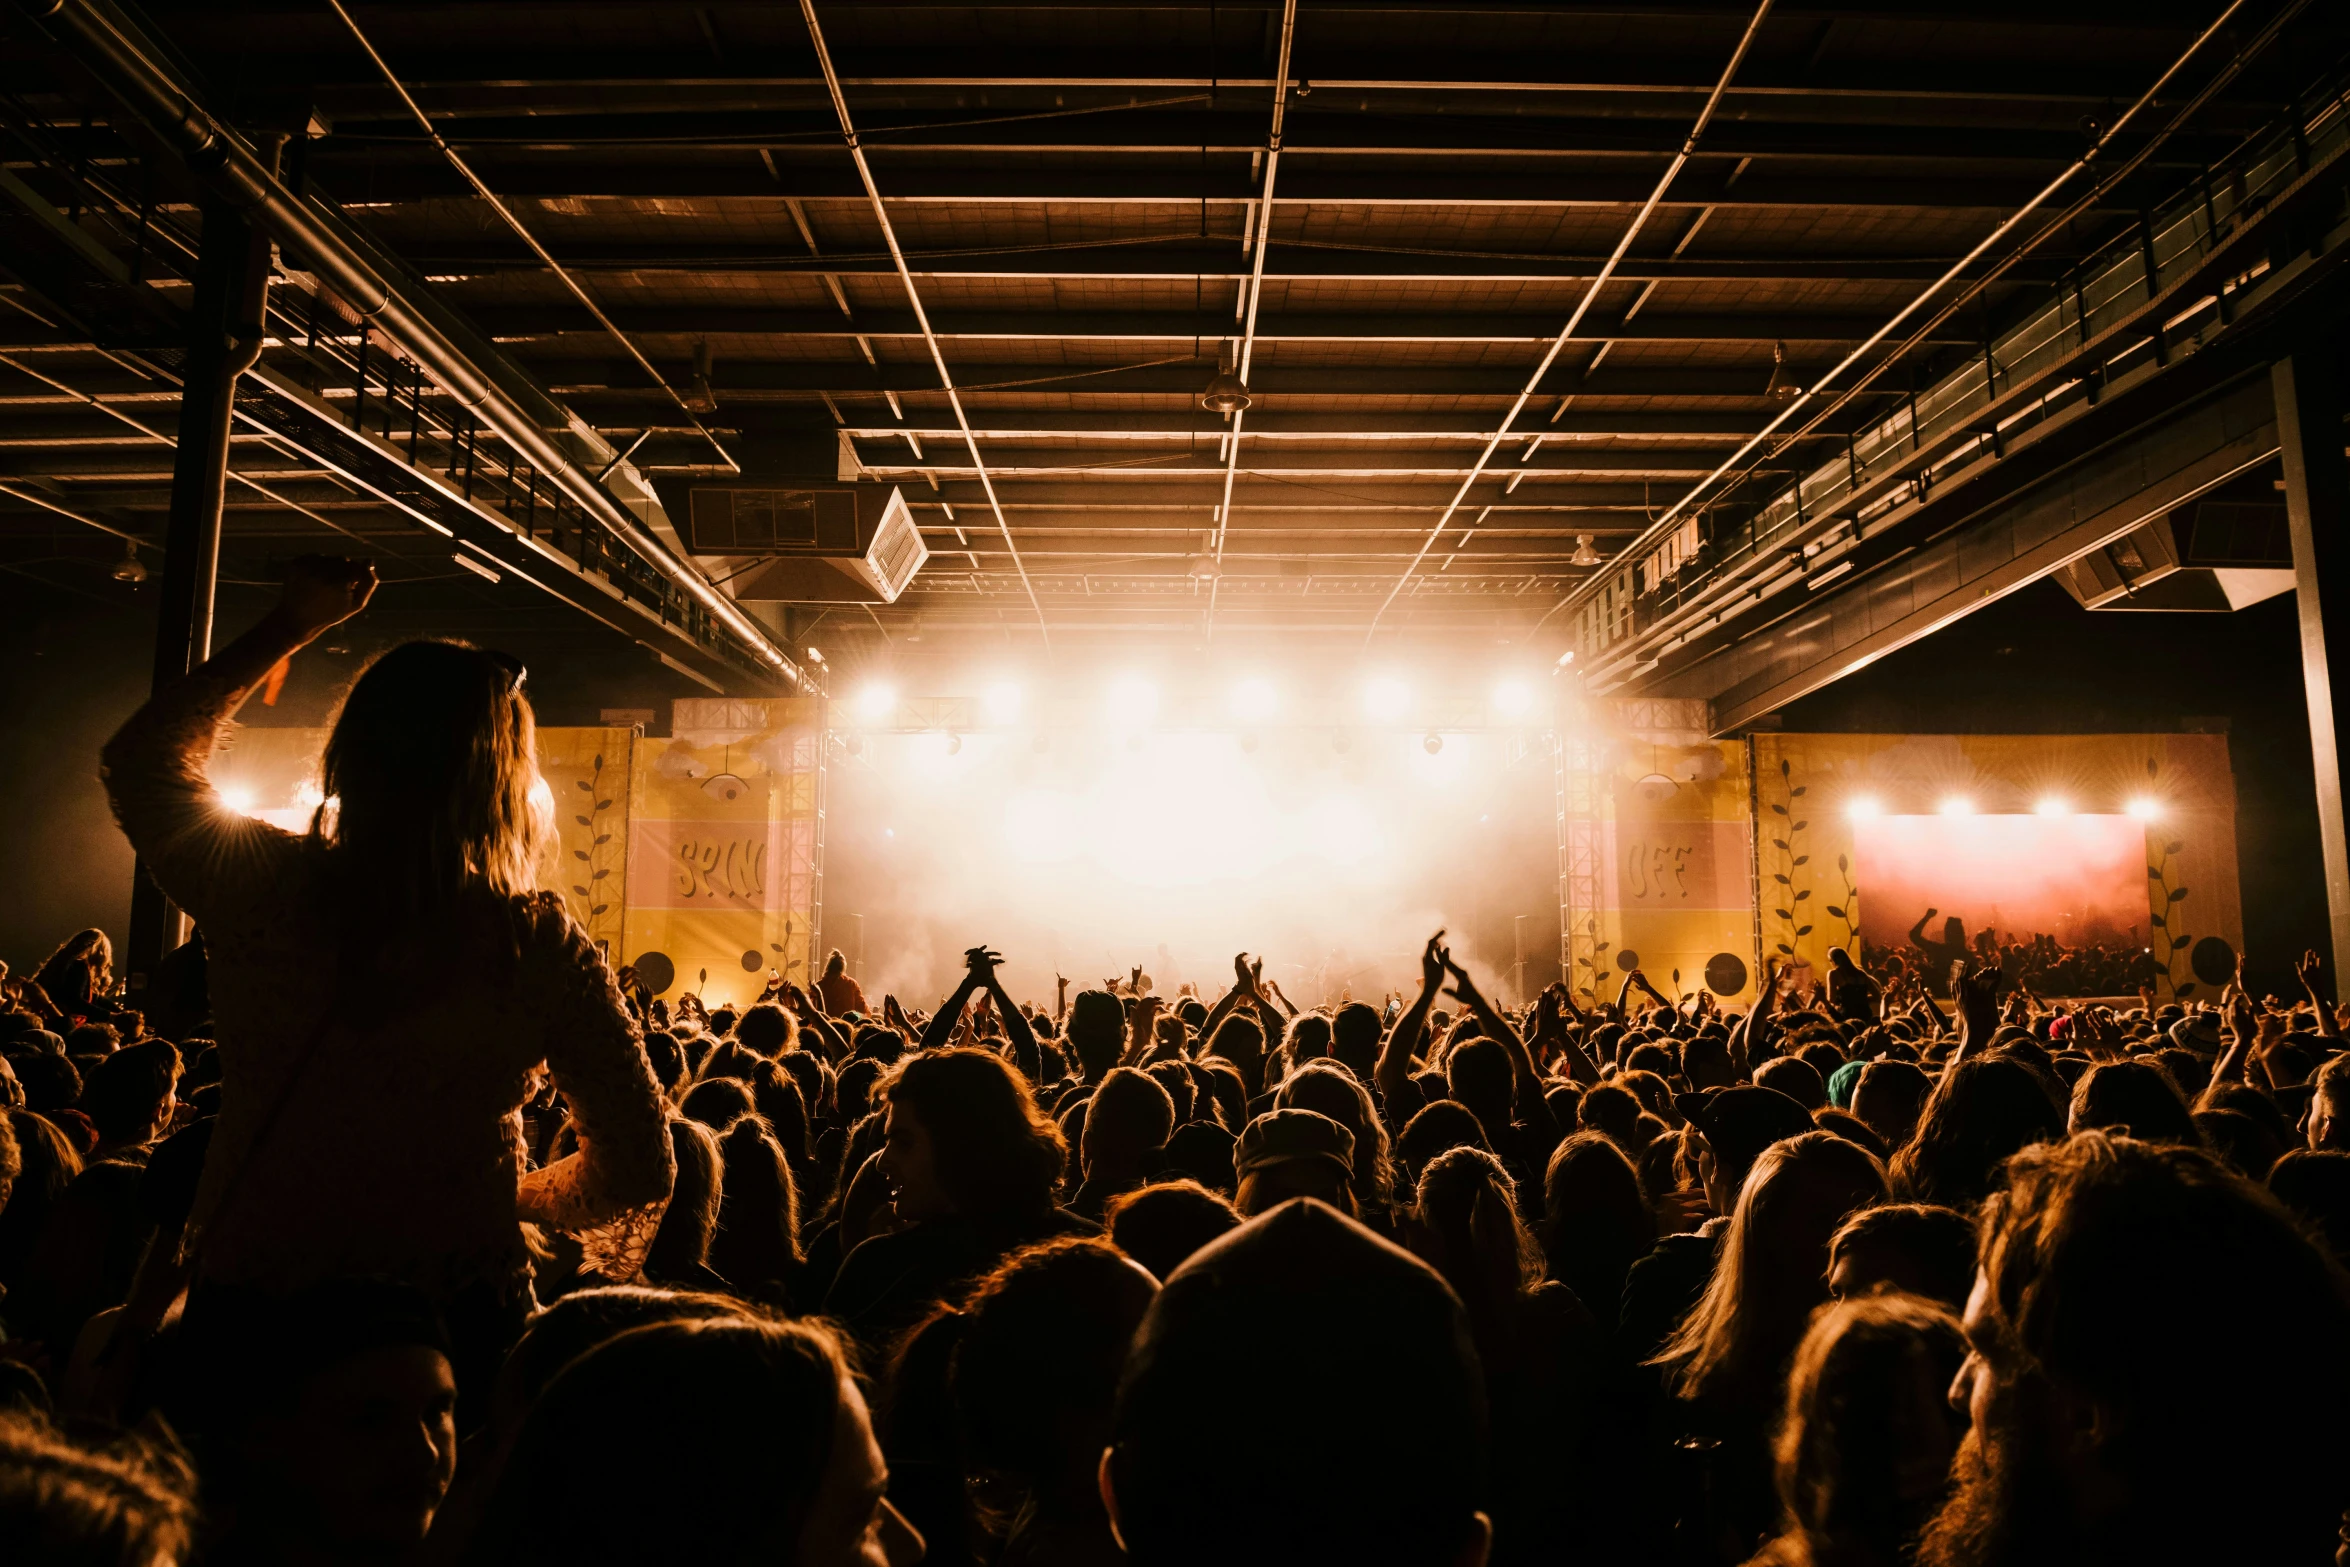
(1134, 701)
(237, 798)
(1254, 700)
(1432, 742)
(2054, 806)
(1958, 805)
(1386, 699)
(877, 701)
(542, 798)
(1514, 699)
(2145, 808)
(1864, 809)
(1002, 702)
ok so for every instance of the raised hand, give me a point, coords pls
(323, 591)
(1433, 960)
(981, 962)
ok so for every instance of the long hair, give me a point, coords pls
(758, 1240)
(429, 772)
(1596, 1220)
(997, 1153)
(2095, 1254)
(1771, 1269)
(79, 971)
(1983, 1110)
(1864, 1442)
(682, 1243)
(1467, 1212)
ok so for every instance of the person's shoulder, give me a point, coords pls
(1673, 1252)
(545, 929)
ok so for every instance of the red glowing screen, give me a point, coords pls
(2079, 879)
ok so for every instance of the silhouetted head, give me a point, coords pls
(429, 772)
(2093, 1437)
(1243, 1445)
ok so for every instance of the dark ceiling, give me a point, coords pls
(1075, 189)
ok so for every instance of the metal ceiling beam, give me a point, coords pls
(517, 325)
(134, 67)
(746, 379)
(1566, 333)
(978, 181)
(946, 379)
(1253, 300)
(1180, 258)
(1191, 127)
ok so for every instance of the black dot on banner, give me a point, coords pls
(2213, 960)
(655, 969)
(1725, 974)
(1627, 960)
(750, 962)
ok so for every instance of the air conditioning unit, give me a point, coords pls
(2212, 555)
(811, 544)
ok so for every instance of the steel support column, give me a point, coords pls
(224, 337)
(2310, 403)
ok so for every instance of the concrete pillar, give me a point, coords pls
(2310, 404)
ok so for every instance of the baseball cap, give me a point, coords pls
(1278, 1136)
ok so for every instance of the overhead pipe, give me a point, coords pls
(114, 50)
(1256, 292)
(1582, 308)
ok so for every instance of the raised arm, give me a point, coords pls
(1977, 995)
(949, 1015)
(1393, 1073)
(832, 1042)
(2308, 971)
(199, 850)
(1017, 1032)
(1553, 1025)
(1528, 1103)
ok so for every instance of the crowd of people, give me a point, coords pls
(2036, 962)
(412, 1232)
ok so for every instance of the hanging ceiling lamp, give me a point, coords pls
(1584, 554)
(1782, 386)
(699, 395)
(1225, 394)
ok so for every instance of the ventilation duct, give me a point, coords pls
(2214, 555)
(807, 543)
